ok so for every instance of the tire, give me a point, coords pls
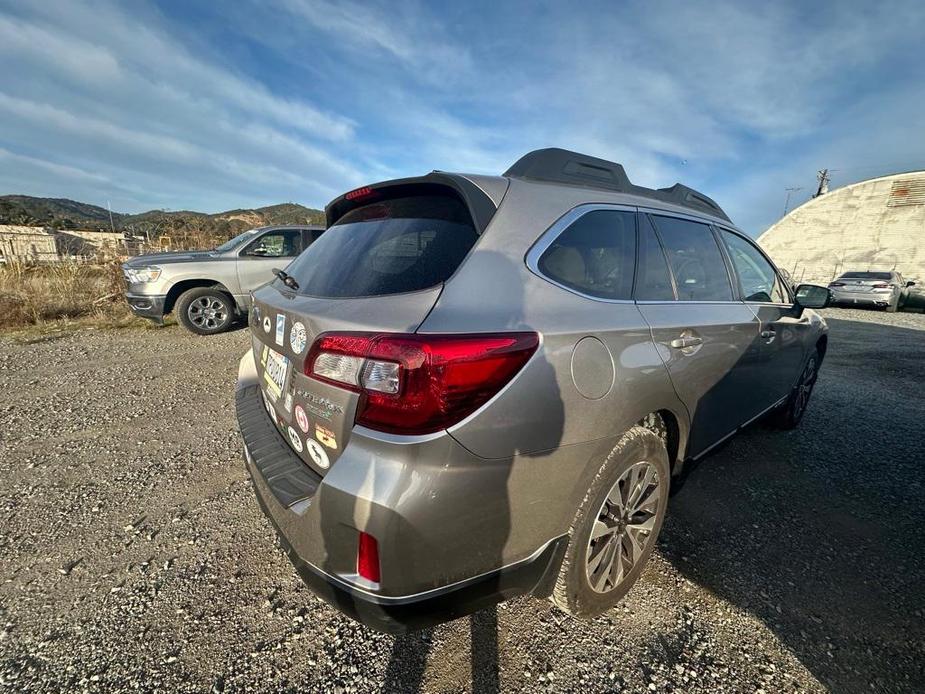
(639, 452)
(205, 310)
(791, 414)
(893, 306)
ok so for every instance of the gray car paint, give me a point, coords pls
(497, 487)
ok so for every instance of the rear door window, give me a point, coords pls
(696, 262)
(653, 280)
(594, 255)
(757, 278)
(402, 244)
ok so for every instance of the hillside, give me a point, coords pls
(62, 213)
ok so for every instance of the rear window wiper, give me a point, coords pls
(286, 278)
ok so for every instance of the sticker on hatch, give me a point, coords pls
(280, 329)
(276, 368)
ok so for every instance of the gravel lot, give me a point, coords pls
(133, 555)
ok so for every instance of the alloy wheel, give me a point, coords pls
(207, 312)
(624, 526)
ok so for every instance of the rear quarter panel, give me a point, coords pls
(555, 435)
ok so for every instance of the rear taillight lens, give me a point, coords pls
(368, 557)
(881, 285)
(418, 384)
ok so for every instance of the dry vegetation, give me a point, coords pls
(62, 293)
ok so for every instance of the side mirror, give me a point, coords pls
(813, 296)
(910, 283)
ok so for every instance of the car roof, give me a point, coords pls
(564, 167)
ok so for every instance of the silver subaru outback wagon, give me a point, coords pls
(473, 387)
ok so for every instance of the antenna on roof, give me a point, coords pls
(790, 191)
(823, 177)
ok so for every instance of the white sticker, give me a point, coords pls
(280, 328)
(296, 441)
(317, 453)
(301, 418)
(266, 324)
(297, 337)
(287, 402)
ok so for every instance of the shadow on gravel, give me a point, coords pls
(405, 673)
(820, 531)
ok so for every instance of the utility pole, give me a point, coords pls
(790, 191)
(111, 225)
(823, 177)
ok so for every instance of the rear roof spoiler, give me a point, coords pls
(481, 207)
(562, 166)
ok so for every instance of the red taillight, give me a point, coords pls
(363, 192)
(418, 384)
(368, 557)
(881, 285)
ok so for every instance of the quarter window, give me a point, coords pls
(695, 259)
(594, 255)
(757, 277)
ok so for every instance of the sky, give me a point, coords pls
(214, 106)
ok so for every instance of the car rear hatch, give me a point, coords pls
(379, 268)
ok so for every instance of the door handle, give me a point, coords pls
(686, 342)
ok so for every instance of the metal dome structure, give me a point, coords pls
(878, 224)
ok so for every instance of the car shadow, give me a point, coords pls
(820, 531)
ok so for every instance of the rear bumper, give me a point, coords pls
(398, 615)
(145, 306)
(862, 298)
(437, 563)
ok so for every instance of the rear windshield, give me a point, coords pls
(398, 245)
(866, 276)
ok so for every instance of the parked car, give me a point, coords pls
(475, 387)
(885, 289)
(209, 290)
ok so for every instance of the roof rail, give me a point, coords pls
(563, 166)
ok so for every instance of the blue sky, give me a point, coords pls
(212, 106)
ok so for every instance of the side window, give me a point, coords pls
(595, 255)
(285, 243)
(653, 281)
(695, 259)
(757, 277)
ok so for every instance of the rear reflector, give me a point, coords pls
(419, 384)
(368, 557)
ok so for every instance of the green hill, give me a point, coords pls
(62, 213)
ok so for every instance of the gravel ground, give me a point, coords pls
(133, 555)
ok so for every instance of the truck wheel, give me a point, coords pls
(614, 532)
(205, 311)
(791, 414)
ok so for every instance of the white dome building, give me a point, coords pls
(876, 225)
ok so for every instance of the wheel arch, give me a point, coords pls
(822, 345)
(667, 425)
(183, 285)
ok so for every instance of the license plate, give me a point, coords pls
(275, 371)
